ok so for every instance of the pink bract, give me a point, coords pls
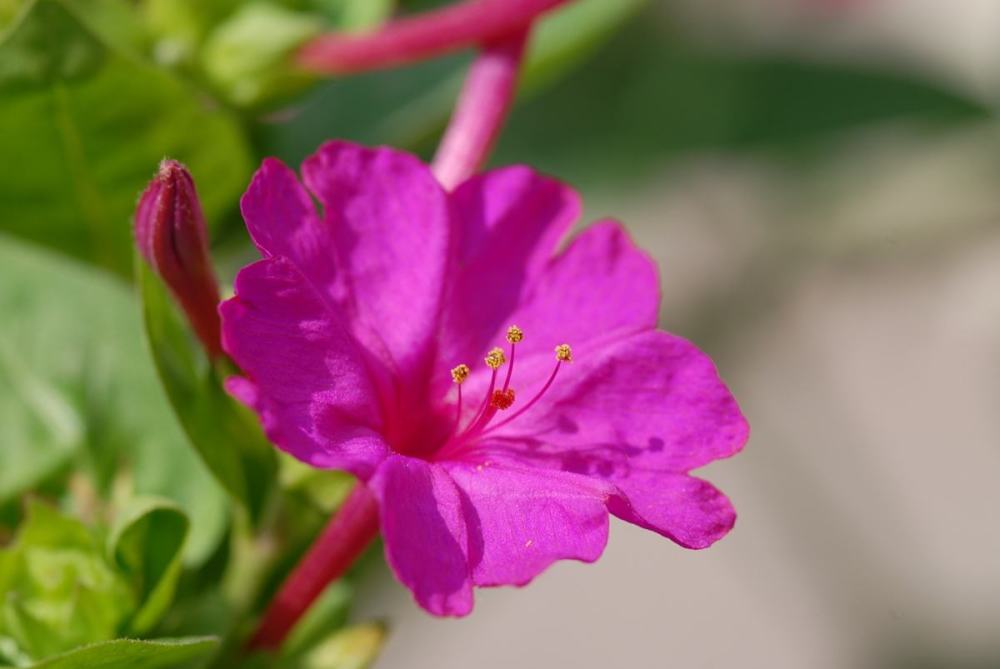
(348, 329)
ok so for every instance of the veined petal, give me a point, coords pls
(426, 540)
(601, 287)
(391, 230)
(638, 415)
(510, 222)
(521, 520)
(650, 400)
(304, 373)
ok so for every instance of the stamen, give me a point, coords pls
(494, 359)
(484, 407)
(458, 410)
(563, 354)
(514, 336)
(459, 374)
(496, 399)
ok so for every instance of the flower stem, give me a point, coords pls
(406, 40)
(349, 532)
(482, 107)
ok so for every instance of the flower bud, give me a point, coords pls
(170, 233)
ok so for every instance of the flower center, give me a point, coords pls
(496, 399)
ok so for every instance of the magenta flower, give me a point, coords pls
(378, 339)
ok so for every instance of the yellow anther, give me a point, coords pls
(514, 334)
(564, 353)
(495, 358)
(460, 373)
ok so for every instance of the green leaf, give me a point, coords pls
(326, 488)
(179, 27)
(564, 39)
(352, 15)
(225, 434)
(248, 57)
(324, 618)
(9, 9)
(77, 386)
(92, 124)
(133, 654)
(58, 591)
(147, 544)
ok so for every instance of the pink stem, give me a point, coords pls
(349, 532)
(462, 25)
(481, 109)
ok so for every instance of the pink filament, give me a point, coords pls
(531, 402)
(510, 367)
(483, 408)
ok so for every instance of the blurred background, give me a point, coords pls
(818, 180)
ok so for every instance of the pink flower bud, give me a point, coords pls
(170, 233)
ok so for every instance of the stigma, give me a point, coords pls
(502, 399)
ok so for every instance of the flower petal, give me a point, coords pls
(651, 400)
(601, 286)
(282, 221)
(391, 229)
(304, 373)
(425, 533)
(685, 509)
(522, 520)
(510, 221)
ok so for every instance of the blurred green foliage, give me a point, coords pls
(654, 96)
(79, 394)
(146, 544)
(133, 653)
(92, 123)
(226, 435)
(59, 592)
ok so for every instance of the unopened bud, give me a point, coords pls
(170, 233)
